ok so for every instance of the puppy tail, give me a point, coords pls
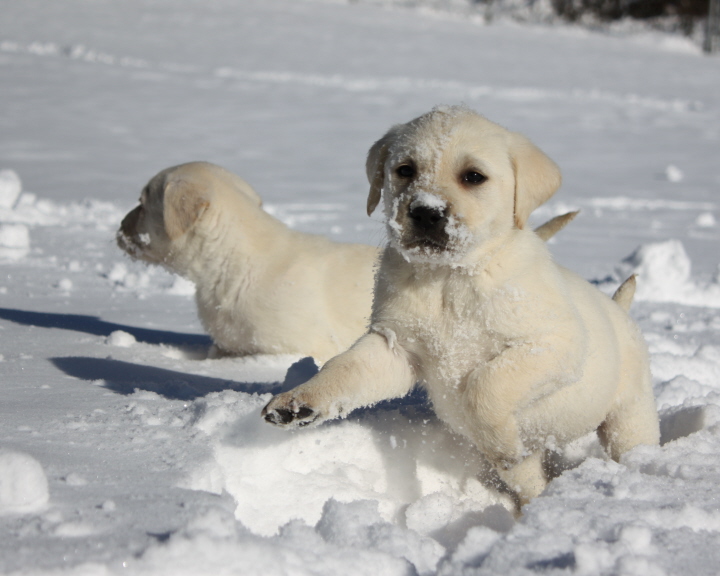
(625, 293)
(553, 226)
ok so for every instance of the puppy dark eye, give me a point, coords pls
(405, 171)
(472, 177)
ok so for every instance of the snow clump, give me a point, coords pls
(427, 200)
(121, 339)
(23, 485)
(663, 270)
(14, 241)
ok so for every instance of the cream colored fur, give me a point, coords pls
(517, 353)
(261, 287)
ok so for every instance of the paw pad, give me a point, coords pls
(301, 415)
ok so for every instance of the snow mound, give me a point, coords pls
(14, 241)
(23, 485)
(121, 339)
(394, 457)
(10, 188)
(664, 275)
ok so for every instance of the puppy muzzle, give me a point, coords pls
(429, 225)
(126, 236)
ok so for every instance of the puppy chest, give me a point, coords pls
(443, 348)
(448, 362)
(447, 327)
(447, 335)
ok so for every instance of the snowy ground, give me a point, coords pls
(124, 450)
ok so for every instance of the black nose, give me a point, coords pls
(427, 218)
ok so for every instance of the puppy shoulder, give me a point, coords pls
(535, 288)
(527, 260)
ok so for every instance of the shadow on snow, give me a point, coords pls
(125, 378)
(98, 327)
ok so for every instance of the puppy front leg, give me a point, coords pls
(491, 400)
(367, 373)
(495, 393)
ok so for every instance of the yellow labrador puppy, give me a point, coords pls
(261, 288)
(517, 353)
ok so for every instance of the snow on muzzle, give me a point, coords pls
(429, 216)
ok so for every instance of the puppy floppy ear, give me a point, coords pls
(537, 177)
(183, 205)
(375, 169)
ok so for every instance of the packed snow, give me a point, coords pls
(125, 447)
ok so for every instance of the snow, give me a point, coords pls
(23, 485)
(664, 270)
(121, 338)
(428, 200)
(127, 447)
(460, 238)
(14, 241)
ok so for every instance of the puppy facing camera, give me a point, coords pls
(517, 353)
(261, 288)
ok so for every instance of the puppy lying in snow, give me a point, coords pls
(517, 353)
(261, 287)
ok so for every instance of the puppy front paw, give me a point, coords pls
(288, 412)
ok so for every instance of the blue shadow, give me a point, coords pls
(126, 377)
(98, 327)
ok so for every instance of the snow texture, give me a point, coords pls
(127, 447)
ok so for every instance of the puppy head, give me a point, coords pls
(171, 203)
(452, 180)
